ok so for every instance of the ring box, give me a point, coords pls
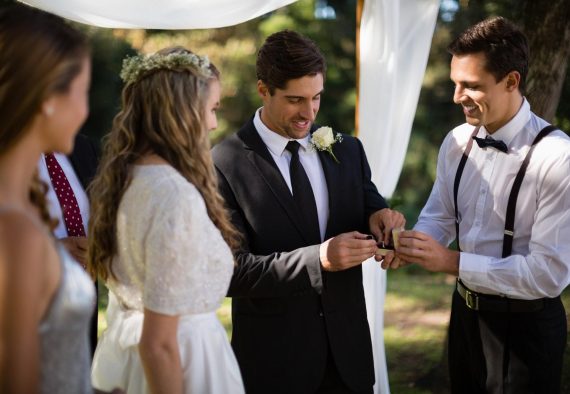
(384, 249)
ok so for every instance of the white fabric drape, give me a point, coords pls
(395, 38)
(165, 14)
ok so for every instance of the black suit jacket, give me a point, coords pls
(287, 313)
(84, 160)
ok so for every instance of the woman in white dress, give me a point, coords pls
(160, 236)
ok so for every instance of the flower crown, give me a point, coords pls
(135, 66)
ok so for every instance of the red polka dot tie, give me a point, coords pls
(66, 198)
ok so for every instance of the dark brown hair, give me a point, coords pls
(504, 45)
(40, 55)
(287, 55)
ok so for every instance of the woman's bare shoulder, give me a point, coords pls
(23, 239)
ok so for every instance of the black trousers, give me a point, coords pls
(506, 353)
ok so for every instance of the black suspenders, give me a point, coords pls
(511, 206)
(458, 179)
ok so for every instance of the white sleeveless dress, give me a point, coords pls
(65, 354)
(64, 331)
(172, 260)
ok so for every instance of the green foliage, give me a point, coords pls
(233, 49)
(104, 95)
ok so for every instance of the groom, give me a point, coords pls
(299, 317)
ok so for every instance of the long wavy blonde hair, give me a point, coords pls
(162, 113)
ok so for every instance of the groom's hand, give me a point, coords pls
(383, 221)
(346, 250)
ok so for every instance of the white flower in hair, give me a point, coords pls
(135, 66)
(324, 138)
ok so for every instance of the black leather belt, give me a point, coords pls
(492, 303)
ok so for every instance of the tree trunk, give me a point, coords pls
(546, 25)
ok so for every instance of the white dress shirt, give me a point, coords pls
(309, 159)
(539, 265)
(53, 203)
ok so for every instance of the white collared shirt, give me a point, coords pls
(539, 265)
(309, 159)
(53, 203)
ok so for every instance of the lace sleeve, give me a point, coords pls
(185, 259)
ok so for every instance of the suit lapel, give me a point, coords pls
(78, 168)
(258, 154)
(332, 176)
(83, 160)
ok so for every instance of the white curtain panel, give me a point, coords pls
(395, 38)
(153, 14)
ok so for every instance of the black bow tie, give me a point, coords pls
(488, 141)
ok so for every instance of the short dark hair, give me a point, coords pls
(287, 55)
(505, 47)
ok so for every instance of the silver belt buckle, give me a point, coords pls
(471, 300)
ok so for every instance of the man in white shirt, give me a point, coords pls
(75, 245)
(508, 325)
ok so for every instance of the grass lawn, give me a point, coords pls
(416, 318)
(416, 315)
(415, 327)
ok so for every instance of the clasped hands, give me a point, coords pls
(351, 249)
(420, 248)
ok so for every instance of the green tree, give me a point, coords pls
(104, 96)
(233, 49)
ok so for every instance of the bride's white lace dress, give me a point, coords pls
(172, 260)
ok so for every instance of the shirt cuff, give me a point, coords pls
(314, 267)
(474, 272)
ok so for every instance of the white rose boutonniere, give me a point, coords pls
(324, 138)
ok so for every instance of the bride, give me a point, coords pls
(160, 236)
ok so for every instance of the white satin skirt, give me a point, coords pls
(208, 363)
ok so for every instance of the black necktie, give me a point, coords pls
(488, 141)
(303, 193)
